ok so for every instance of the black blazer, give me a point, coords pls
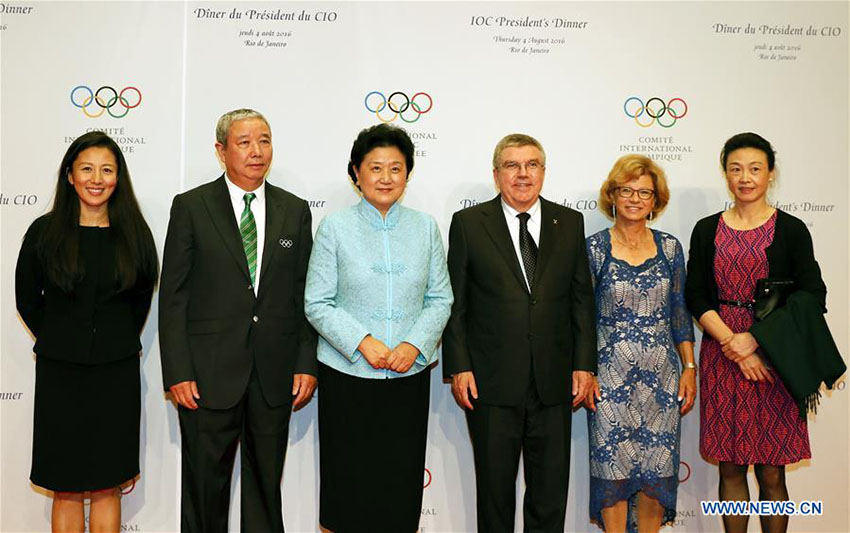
(93, 324)
(212, 327)
(789, 256)
(500, 331)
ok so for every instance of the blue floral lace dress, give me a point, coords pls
(634, 433)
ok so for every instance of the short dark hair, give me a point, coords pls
(380, 136)
(748, 140)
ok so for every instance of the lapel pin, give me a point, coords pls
(554, 221)
(286, 243)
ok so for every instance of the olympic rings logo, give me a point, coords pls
(106, 98)
(656, 110)
(125, 490)
(688, 475)
(408, 109)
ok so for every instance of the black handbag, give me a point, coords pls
(771, 294)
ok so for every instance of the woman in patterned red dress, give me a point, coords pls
(747, 416)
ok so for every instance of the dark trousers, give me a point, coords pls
(541, 434)
(210, 438)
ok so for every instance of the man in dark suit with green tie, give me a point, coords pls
(520, 346)
(237, 352)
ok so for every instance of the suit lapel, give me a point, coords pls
(221, 212)
(275, 216)
(497, 228)
(549, 225)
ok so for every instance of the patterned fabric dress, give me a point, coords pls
(741, 421)
(634, 433)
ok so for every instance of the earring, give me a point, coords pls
(613, 211)
(650, 215)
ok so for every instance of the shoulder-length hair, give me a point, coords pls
(59, 244)
(630, 167)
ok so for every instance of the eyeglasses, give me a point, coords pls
(530, 166)
(628, 192)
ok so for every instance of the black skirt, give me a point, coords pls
(86, 424)
(372, 437)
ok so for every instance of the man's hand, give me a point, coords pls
(463, 385)
(402, 357)
(595, 394)
(185, 393)
(375, 352)
(303, 386)
(582, 385)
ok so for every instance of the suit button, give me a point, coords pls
(256, 318)
(533, 301)
(530, 336)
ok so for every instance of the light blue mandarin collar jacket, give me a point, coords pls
(381, 277)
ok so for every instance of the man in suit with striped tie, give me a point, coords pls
(237, 352)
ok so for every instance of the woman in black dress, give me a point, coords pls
(83, 286)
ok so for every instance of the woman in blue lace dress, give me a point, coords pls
(643, 331)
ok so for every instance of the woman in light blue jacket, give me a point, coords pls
(378, 293)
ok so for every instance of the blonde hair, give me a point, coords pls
(631, 167)
(516, 139)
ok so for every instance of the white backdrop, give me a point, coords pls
(563, 72)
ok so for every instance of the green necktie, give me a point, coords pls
(248, 229)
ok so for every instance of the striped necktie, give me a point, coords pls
(248, 229)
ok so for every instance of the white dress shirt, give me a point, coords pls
(258, 208)
(513, 229)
